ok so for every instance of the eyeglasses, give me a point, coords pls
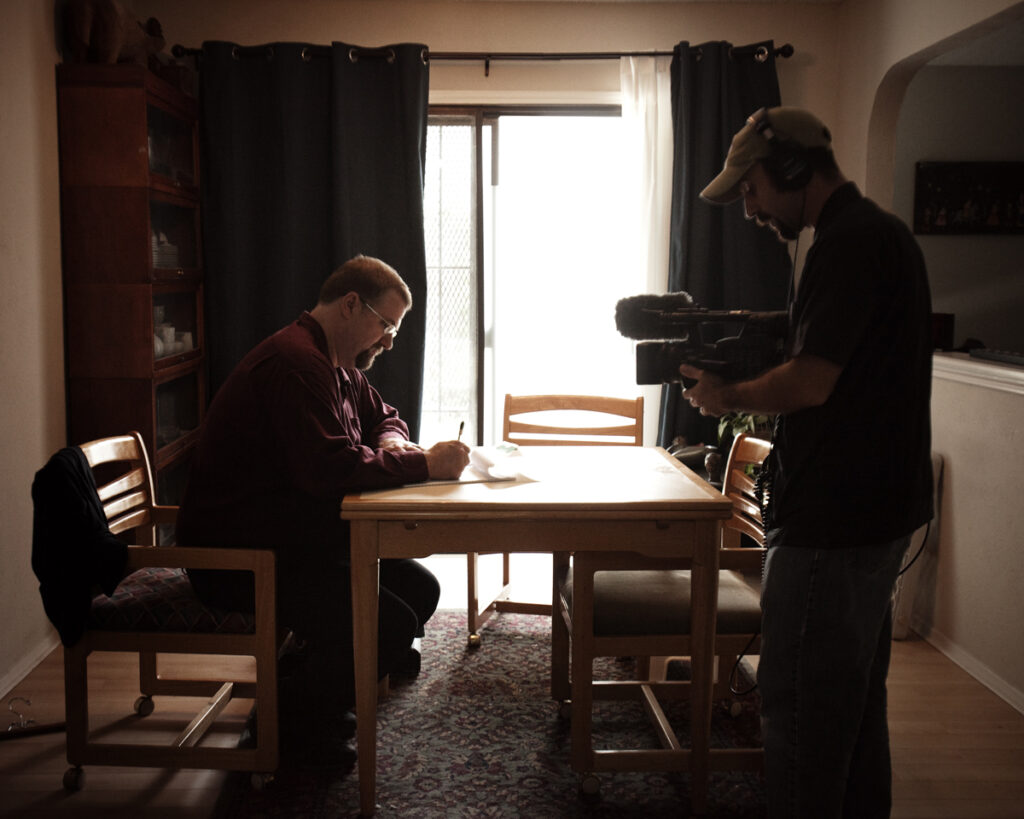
(389, 328)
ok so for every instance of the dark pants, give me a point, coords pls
(317, 606)
(824, 659)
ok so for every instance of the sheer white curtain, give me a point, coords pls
(645, 84)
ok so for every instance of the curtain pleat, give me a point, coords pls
(716, 255)
(645, 84)
(311, 154)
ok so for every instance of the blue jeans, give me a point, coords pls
(827, 628)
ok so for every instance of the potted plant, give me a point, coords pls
(729, 426)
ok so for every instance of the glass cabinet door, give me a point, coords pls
(175, 323)
(173, 232)
(177, 408)
(171, 146)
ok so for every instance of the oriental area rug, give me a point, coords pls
(478, 735)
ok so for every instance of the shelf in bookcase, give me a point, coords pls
(167, 362)
(166, 184)
(177, 274)
(167, 453)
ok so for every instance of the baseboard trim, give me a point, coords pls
(971, 664)
(24, 667)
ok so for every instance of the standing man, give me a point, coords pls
(850, 470)
(294, 427)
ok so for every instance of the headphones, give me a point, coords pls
(787, 165)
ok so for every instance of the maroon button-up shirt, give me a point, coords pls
(286, 436)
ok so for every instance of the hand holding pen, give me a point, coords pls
(447, 459)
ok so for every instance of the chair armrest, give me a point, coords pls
(192, 557)
(259, 561)
(165, 515)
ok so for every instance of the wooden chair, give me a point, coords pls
(553, 420)
(637, 607)
(154, 611)
(742, 559)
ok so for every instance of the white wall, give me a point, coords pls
(456, 25)
(959, 114)
(968, 600)
(883, 43)
(31, 317)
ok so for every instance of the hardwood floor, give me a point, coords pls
(32, 767)
(958, 749)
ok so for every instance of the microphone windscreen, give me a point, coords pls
(649, 316)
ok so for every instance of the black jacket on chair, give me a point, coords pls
(73, 551)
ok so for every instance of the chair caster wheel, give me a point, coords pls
(590, 788)
(74, 779)
(473, 641)
(144, 705)
(260, 781)
(565, 709)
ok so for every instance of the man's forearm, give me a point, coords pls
(794, 385)
(802, 382)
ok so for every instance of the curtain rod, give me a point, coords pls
(782, 51)
(760, 54)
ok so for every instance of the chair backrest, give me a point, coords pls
(127, 493)
(567, 420)
(738, 486)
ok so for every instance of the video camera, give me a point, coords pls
(745, 344)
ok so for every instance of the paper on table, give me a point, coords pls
(488, 464)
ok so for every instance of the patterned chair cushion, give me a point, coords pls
(162, 600)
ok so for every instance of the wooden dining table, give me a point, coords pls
(563, 500)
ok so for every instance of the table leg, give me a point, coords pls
(365, 591)
(559, 634)
(581, 753)
(704, 596)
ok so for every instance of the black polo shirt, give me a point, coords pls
(857, 470)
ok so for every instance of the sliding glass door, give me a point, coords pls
(531, 237)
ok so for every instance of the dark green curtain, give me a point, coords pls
(311, 155)
(717, 256)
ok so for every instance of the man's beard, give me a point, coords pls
(791, 232)
(366, 358)
(784, 231)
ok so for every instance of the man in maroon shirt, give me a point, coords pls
(294, 427)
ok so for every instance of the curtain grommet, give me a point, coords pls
(234, 53)
(761, 55)
(306, 54)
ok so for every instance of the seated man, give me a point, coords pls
(294, 427)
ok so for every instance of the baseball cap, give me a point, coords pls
(753, 142)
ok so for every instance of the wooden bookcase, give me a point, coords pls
(132, 262)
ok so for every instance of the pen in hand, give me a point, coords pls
(462, 426)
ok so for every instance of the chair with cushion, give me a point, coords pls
(741, 561)
(146, 607)
(632, 606)
(553, 420)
